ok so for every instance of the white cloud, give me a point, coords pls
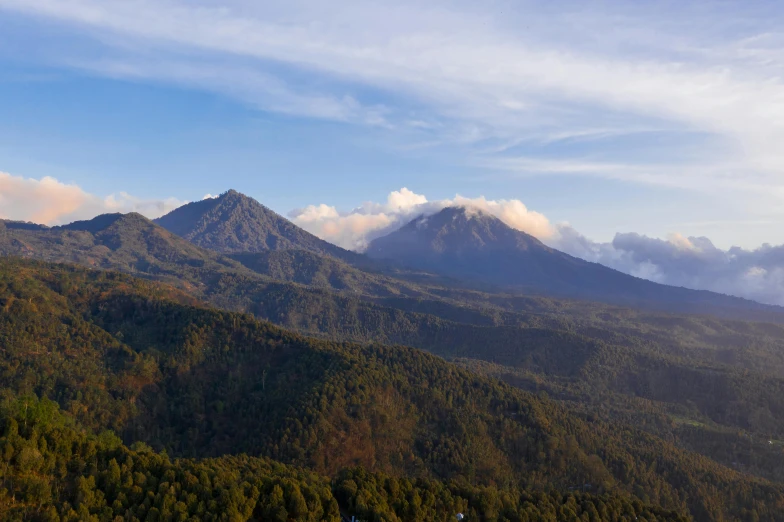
(469, 74)
(52, 202)
(254, 87)
(355, 228)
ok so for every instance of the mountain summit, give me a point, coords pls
(465, 242)
(456, 231)
(234, 222)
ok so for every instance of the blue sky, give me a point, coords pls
(662, 119)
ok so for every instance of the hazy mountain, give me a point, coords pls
(468, 243)
(233, 223)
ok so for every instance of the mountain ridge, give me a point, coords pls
(140, 244)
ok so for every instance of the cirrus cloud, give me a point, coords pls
(485, 79)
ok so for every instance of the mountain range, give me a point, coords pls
(549, 371)
(455, 253)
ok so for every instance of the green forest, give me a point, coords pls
(93, 360)
(55, 470)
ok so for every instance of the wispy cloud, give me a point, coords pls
(728, 176)
(257, 88)
(484, 78)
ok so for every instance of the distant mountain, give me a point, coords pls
(328, 273)
(233, 223)
(21, 225)
(468, 243)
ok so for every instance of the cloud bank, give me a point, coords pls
(52, 202)
(692, 262)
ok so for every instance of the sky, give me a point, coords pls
(643, 135)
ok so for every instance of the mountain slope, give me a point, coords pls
(127, 242)
(117, 352)
(233, 222)
(415, 316)
(132, 243)
(728, 373)
(56, 470)
(467, 243)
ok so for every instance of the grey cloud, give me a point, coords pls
(691, 262)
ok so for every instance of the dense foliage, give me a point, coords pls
(123, 354)
(133, 356)
(53, 470)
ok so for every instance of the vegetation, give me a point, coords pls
(54, 470)
(148, 361)
(135, 356)
(723, 375)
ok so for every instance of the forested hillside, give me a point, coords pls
(708, 385)
(139, 358)
(55, 470)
